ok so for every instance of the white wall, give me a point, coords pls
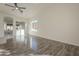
(59, 22)
(1, 27)
(2, 40)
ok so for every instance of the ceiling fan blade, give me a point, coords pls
(22, 7)
(13, 9)
(15, 4)
(20, 10)
(9, 5)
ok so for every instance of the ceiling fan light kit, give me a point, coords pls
(16, 8)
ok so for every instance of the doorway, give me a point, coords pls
(8, 27)
(20, 31)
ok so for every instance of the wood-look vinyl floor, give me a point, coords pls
(35, 46)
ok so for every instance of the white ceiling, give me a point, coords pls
(33, 9)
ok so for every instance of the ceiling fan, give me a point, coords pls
(16, 7)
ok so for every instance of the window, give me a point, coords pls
(34, 25)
